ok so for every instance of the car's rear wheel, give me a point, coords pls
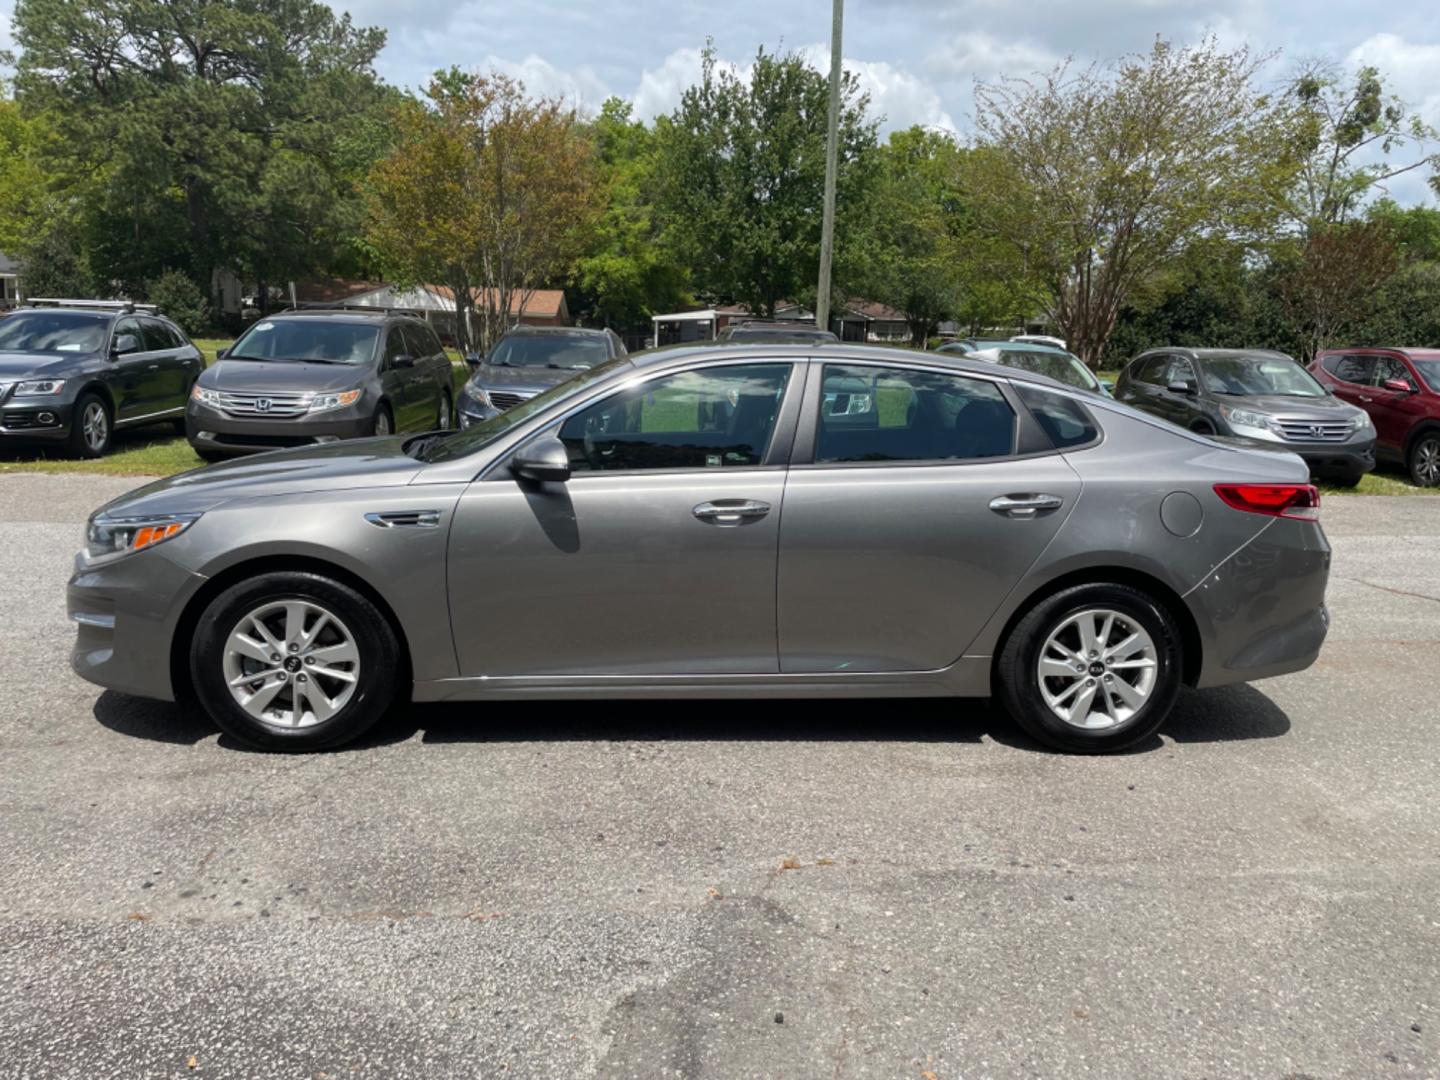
(1091, 669)
(294, 661)
(90, 427)
(383, 425)
(1425, 459)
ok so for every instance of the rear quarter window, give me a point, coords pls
(1066, 422)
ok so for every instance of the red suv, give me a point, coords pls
(1400, 389)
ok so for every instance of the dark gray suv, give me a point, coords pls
(309, 377)
(73, 371)
(1253, 394)
(528, 360)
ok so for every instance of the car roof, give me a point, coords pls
(1424, 353)
(1217, 354)
(573, 331)
(348, 315)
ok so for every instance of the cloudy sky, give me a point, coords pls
(918, 58)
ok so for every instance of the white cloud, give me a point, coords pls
(1409, 71)
(976, 54)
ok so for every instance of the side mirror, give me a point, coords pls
(1108, 385)
(125, 343)
(544, 460)
(404, 360)
(1181, 386)
(220, 353)
(1399, 386)
(472, 360)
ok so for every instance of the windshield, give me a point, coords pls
(51, 331)
(1062, 367)
(1430, 372)
(311, 340)
(551, 350)
(1256, 375)
(487, 431)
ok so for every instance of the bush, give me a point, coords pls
(180, 300)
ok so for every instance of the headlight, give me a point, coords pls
(108, 538)
(1245, 418)
(39, 388)
(205, 397)
(321, 402)
(476, 391)
(1363, 423)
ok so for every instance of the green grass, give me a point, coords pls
(1381, 482)
(151, 451)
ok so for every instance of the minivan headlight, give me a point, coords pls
(108, 538)
(321, 402)
(205, 396)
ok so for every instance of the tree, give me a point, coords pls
(1352, 138)
(1098, 179)
(627, 273)
(1330, 287)
(488, 191)
(742, 176)
(224, 122)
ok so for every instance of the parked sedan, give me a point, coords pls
(72, 372)
(779, 332)
(1254, 394)
(977, 531)
(309, 377)
(528, 360)
(1040, 358)
(1400, 389)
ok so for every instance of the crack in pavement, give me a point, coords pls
(1393, 591)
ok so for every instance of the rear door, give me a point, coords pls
(168, 367)
(909, 516)
(656, 557)
(1352, 374)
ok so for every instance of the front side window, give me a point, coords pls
(710, 418)
(1152, 371)
(52, 332)
(128, 328)
(157, 338)
(307, 340)
(890, 414)
(1387, 367)
(1242, 376)
(1179, 371)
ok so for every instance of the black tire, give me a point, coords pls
(210, 457)
(1017, 669)
(378, 650)
(89, 407)
(383, 423)
(1202, 428)
(1423, 461)
(1345, 481)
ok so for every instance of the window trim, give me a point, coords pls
(776, 454)
(1028, 432)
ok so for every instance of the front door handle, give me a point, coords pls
(731, 511)
(1025, 506)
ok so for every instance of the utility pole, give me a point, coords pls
(832, 148)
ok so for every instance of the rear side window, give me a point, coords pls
(1351, 369)
(889, 414)
(1067, 423)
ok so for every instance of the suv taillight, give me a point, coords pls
(1277, 500)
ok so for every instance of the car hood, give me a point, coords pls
(1321, 408)
(257, 375)
(521, 379)
(353, 463)
(20, 364)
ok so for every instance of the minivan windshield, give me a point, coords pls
(52, 331)
(1243, 376)
(550, 350)
(485, 432)
(307, 340)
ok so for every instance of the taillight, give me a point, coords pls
(1277, 500)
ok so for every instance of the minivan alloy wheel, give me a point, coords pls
(1097, 669)
(291, 663)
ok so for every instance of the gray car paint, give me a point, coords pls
(607, 586)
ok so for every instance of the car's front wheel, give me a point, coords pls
(1091, 669)
(294, 661)
(382, 424)
(90, 427)
(1425, 460)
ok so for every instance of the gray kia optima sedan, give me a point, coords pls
(732, 521)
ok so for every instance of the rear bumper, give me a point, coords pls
(1262, 612)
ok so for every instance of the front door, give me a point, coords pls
(1395, 412)
(656, 557)
(913, 522)
(135, 385)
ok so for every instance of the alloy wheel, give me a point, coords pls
(382, 423)
(1097, 669)
(444, 420)
(291, 663)
(1427, 462)
(95, 426)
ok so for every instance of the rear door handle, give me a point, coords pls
(1025, 506)
(731, 511)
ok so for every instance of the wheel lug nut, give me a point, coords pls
(301, 677)
(309, 659)
(1089, 682)
(281, 677)
(274, 657)
(294, 647)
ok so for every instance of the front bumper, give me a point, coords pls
(125, 614)
(33, 419)
(1337, 460)
(213, 432)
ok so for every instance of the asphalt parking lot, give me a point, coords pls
(826, 889)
